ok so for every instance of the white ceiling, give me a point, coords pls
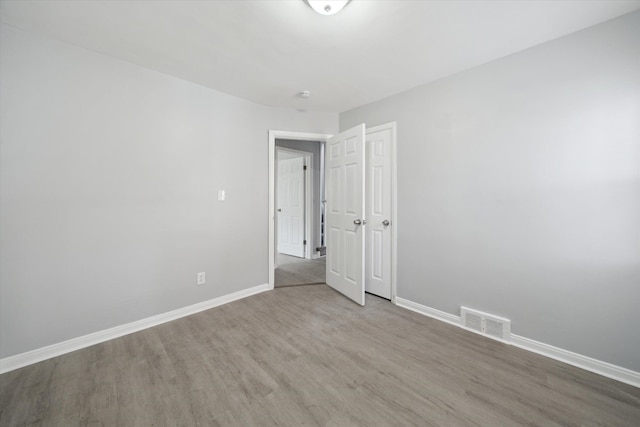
(269, 50)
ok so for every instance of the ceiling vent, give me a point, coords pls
(486, 324)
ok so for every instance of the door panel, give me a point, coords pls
(290, 204)
(333, 263)
(378, 209)
(345, 204)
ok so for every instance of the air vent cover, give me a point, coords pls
(473, 321)
(486, 324)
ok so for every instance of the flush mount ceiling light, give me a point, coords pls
(327, 7)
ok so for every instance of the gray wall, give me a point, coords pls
(310, 147)
(519, 190)
(109, 179)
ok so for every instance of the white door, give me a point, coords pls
(378, 210)
(344, 183)
(290, 206)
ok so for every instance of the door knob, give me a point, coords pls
(357, 222)
(386, 223)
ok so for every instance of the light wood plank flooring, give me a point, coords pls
(305, 355)
(294, 271)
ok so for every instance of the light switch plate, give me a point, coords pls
(221, 195)
(200, 279)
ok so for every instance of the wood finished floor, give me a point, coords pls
(294, 271)
(307, 356)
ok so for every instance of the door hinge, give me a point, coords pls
(304, 168)
(304, 242)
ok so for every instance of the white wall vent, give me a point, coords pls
(486, 324)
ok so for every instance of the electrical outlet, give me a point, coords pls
(201, 279)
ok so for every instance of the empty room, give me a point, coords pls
(332, 213)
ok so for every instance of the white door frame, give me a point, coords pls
(394, 210)
(273, 135)
(308, 197)
(302, 136)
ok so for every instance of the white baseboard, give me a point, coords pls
(605, 369)
(38, 355)
(428, 311)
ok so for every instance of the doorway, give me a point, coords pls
(298, 185)
(344, 166)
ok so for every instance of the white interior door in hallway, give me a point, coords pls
(380, 192)
(344, 186)
(291, 204)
